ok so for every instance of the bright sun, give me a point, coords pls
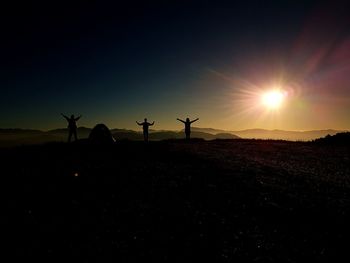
(272, 99)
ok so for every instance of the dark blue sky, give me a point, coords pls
(116, 64)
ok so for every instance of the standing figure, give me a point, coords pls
(188, 126)
(72, 126)
(145, 126)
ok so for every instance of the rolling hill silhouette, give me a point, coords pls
(342, 138)
(12, 137)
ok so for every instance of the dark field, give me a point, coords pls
(174, 201)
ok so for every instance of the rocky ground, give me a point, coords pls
(177, 201)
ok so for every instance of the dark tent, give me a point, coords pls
(101, 134)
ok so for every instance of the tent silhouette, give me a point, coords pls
(101, 134)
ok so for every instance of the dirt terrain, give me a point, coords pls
(178, 201)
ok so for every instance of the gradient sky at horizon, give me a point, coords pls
(117, 64)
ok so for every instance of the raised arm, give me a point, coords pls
(195, 120)
(138, 123)
(180, 120)
(64, 116)
(151, 123)
(76, 119)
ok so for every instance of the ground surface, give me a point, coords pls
(174, 201)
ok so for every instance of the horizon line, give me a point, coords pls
(194, 127)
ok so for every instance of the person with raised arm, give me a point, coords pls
(72, 126)
(145, 125)
(187, 126)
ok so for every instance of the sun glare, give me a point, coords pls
(272, 99)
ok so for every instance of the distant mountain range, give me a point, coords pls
(274, 134)
(10, 137)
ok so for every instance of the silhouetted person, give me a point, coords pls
(188, 126)
(72, 126)
(145, 126)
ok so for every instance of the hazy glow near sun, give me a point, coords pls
(272, 99)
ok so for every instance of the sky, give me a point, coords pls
(117, 64)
